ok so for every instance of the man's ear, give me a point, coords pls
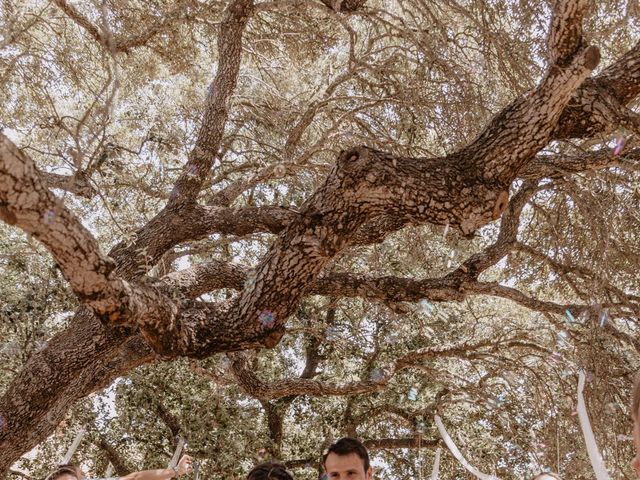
(370, 473)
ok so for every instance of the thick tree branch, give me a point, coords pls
(26, 203)
(565, 37)
(557, 166)
(120, 44)
(590, 111)
(119, 465)
(254, 386)
(201, 158)
(77, 184)
(465, 190)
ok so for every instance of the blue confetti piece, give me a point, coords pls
(563, 337)
(426, 306)
(604, 315)
(570, 316)
(267, 319)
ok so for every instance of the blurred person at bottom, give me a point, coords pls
(269, 471)
(73, 472)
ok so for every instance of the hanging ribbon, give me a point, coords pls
(436, 466)
(178, 451)
(592, 448)
(196, 470)
(456, 453)
(72, 449)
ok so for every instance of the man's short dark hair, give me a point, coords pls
(347, 446)
(269, 471)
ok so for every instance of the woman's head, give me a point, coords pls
(66, 472)
(269, 471)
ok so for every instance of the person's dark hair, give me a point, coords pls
(67, 469)
(269, 471)
(347, 446)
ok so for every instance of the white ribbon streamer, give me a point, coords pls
(456, 453)
(72, 449)
(436, 465)
(176, 454)
(109, 470)
(592, 448)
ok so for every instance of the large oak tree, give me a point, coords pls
(347, 215)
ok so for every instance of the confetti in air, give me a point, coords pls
(49, 217)
(620, 141)
(413, 394)
(376, 375)
(331, 334)
(279, 170)
(249, 282)
(563, 338)
(604, 315)
(426, 306)
(450, 262)
(570, 316)
(267, 319)
(446, 230)
(556, 356)
(262, 453)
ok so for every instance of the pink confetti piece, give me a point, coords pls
(49, 217)
(619, 146)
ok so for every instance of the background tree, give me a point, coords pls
(308, 245)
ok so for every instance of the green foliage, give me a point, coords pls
(415, 78)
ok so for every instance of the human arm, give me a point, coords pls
(184, 466)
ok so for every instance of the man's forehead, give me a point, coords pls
(351, 461)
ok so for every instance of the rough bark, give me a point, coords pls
(88, 355)
(465, 190)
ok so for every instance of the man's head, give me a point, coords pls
(269, 471)
(635, 415)
(347, 459)
(66, 472)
